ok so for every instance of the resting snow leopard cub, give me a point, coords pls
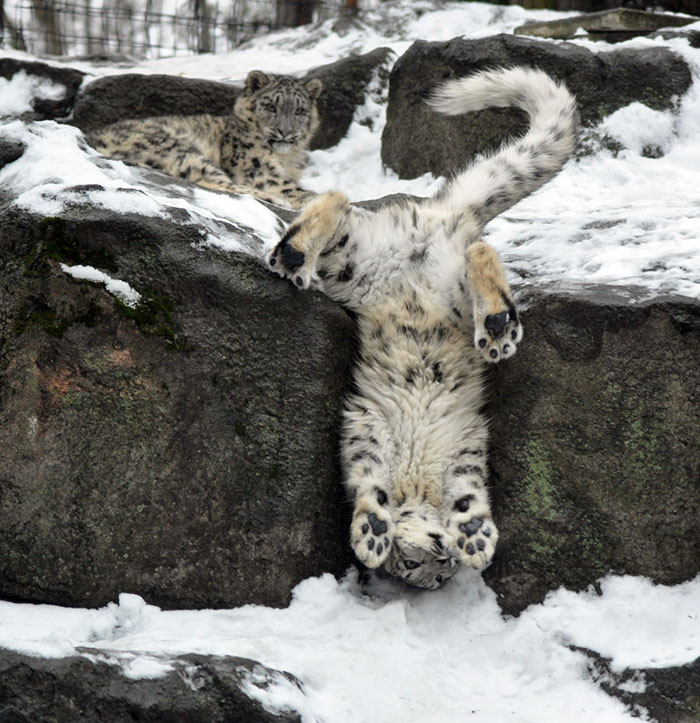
(259, 149)
(433, 307)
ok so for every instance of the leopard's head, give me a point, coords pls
(283, 108)
(423, 553)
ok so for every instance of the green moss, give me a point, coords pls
(154, 315)
(57, 244)
(591, 545)
(43, 318)
(537, 499)
(539, 496)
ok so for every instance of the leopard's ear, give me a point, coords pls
(314, 88)
(256, 79)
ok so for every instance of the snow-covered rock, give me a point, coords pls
(416, 140)
(115, 97)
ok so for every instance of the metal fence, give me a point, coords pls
(148, 28)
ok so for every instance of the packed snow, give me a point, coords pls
(398, 655)
(625, 220)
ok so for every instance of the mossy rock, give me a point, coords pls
(595, 447)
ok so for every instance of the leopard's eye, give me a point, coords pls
(300, 111)
(411, 564)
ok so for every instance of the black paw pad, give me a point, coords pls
(379, 527)
(496, 323)
(462, 504)
(292, 258)
(381, 497)
(470, 528)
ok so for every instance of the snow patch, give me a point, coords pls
(19, 92)
(120, 289)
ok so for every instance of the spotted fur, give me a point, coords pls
(433, 308)
(259, 149)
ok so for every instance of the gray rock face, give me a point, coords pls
(116, 97)
(201, 689)
(416, 140)
(345, 86)
(185, 449)
(595, 447)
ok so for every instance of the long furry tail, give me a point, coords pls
(496, 182)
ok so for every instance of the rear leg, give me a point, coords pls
(295, 255)
(497, 328)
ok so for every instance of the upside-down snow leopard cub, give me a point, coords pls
(259, 149)
(432, 305)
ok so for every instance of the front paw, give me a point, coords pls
(295, 255)
(476, 537)
(289, 262)
(497, 335)
(371, 533)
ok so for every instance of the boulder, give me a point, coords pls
(346, 84)
(669, 695)
(595, 446)
(134, 95)
(610, 25)
(116, 97)
(200, 689)
(10, 151)
(46, 108)
(183, 448)
(692, 7)
(417, 141)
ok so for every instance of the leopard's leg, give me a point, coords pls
(497, 328)
(217, 180)
(372, 528)
(319, 222)
(297, 197)
(466, 508)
